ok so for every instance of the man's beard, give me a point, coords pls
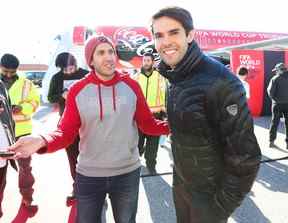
(147, 70)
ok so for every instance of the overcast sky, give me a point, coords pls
(28, 27)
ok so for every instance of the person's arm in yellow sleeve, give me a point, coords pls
(32, 102)
(163, 91)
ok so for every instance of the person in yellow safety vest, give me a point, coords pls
(153, 86)
(25, 99)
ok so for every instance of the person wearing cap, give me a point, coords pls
(215, 151)
(106, 108)
(25, 99)
(277, 91)
(60, 83)
(7, 137)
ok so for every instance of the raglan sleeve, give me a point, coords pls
(68, 127)
(143, 116)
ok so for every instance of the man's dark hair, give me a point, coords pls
(9, 61)
(241, 71)
(181, 15)
(64, 60)
(149, 55)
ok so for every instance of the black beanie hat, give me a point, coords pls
(9, 61)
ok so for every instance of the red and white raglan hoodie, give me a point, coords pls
(106, 114)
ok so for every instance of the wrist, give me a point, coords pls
(42, 141)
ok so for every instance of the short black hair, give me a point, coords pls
(148, 54)
(64, 60)
(9, 61)
(181, 15)
(241, 71)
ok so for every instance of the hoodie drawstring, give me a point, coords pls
(100, 102)
(114, 97)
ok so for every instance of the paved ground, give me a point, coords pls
(266, 203)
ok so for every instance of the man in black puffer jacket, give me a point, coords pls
(7, 128)
(215, 151)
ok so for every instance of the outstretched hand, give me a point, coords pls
(26, 146)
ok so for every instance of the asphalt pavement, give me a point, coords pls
(267, 202)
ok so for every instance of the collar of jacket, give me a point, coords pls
(185, 67)
(8, 82)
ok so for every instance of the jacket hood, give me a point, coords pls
(183, 69)
(8, 82)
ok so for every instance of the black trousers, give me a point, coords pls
(26, 179)
(194, 206)
(72, 154)
(3, 172)
(148, 145)
(278, 110)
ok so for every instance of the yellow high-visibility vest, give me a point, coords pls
(24, 93)
(154, 90)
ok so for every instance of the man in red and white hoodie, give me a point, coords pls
(105, 108)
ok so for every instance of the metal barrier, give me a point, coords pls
(262, 161)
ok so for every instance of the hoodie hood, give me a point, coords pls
(93, 77)
(184, 68)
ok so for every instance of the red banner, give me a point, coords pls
(286, 58)
(214, 39)
(79, 33)
(254, 61)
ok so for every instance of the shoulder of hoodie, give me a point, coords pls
(125, 78)
(79, 84)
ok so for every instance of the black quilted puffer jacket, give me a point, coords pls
(213, 142)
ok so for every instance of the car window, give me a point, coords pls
(33, 75)
(29, 75)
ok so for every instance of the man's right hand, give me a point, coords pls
(26, 146)
(16, 108)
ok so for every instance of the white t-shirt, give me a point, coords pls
(247, 88)
(4, 143)
(67, 83)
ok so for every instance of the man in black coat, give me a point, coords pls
(216, 154)
(277, 91)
